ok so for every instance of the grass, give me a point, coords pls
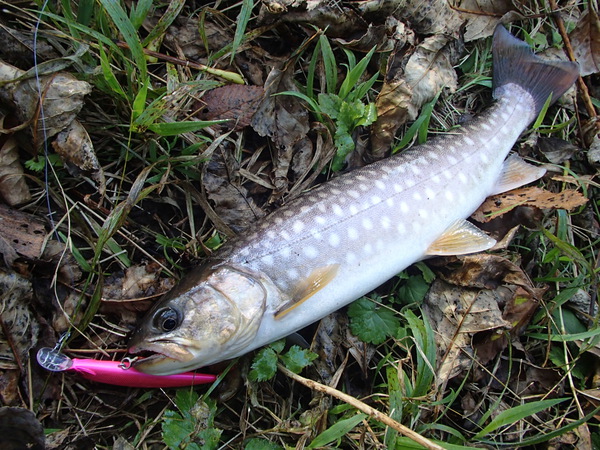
(155, 157)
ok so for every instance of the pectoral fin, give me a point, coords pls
(317, 280)
(460, 238)
(516, 173)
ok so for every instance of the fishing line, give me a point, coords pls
(42, 119)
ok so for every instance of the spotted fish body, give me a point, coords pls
(344, 238)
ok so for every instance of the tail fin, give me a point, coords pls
(514, 62)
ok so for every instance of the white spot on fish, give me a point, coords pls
(368, 249)
(447, 175)
(433, 155)
(486, 126)
(404, 207)
(367, 223)
(494, 141)
(354, 194)
(268, 260)
(449, 196)
(401, 228)
(288, 213)
(452, 160)
(423, 213)
(505, 115)
(401, 169)
(397, 188)
(417, 196)
(285, 235)
(414, 169)
(363, 187)
(320, 220)
(361, 178)
(484, 158)
(436, 179)
(298, 226)
(385, 222)
(469, 141)
(322, 194)
(389, 202)
(380, 184)
(310, 252)
(462, 177)
(271, 234)
(285, 252)
(322, 208)
(304, 209)
(334, 239)
(337, 210)
(292, 274)
(352, 233)
(452, 149)
(353, 210)
(410, 183)
(375, 200)
(335, 191)
(429, 193)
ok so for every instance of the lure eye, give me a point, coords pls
(166, 319)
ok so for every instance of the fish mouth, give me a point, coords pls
(161, 358)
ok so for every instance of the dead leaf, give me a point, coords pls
(137, 283)
(235, 102)
(22, 232)
(13, 188)
(499, 204)
(284, 119)
(20, 429)
(76, 149)
(409, 85)
(18, 321)
(557, 150)
(585, 40)
(222, 183)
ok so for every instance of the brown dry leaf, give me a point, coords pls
(284, 119)
(20, 429)
(474, 308)
(482, 16)
(21, 232)
(222, 184)
(18, 321)
(235, 102)
(138, 282)
(557, 150)
(13, 188)
(410, 85)
(76, 149)
(62, 97)
(496, 205)
(585, 40)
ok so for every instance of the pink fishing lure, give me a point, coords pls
(116, 372)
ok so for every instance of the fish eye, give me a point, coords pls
(166, 319)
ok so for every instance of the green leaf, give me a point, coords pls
(185, 399)
(354, 75)
(297, 358)
(242, 22)
(174, 429)
(264, 366)
(413, 290)
(330, 64)
(261, 444)
(337, 431)
(512, 415)
(372, 323)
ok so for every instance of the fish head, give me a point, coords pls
(212, 315)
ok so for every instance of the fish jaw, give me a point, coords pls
(215, 320)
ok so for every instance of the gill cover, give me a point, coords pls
(212, 314)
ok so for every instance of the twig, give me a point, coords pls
(374, 413)
(583, 90)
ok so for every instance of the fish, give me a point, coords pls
(344, 238)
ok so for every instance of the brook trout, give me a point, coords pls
(339, 241)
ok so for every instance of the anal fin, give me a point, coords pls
(460, 238)
(317, 280)
(516, 173)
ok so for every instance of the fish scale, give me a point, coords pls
(344, 238)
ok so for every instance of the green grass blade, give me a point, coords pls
(127, 30)
(85, 11)
(512, 415)
(139, 12)
(329, 63)
(362, 89)
(354, 75)
(109, 76)
(415, 128)
(155, 37)
(176, 128)
(312, 69)
(242, 22)
(336, 431)
(542, 114)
